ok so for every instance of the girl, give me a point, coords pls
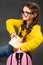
(28, 27)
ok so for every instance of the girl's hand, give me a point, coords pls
(13, 35)
(15, 42)
(19, 39)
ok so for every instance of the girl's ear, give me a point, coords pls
(34, 15)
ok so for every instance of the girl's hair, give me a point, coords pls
(34, 9)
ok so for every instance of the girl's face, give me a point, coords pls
(27, 14)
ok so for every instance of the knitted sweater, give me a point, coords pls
(33, 39)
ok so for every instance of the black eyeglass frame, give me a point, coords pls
(22, 12)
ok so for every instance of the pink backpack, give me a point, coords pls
(19, 58)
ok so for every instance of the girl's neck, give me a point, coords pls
(28, 23)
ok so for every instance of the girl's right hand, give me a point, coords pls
(13, 35)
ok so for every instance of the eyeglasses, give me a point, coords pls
(23, 12)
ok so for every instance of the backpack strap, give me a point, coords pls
(11, 59)
(19, 57)
(27, 59)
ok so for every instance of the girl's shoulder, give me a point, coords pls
(37, 26)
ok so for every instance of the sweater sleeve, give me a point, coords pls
(35, 40)
(10, 23)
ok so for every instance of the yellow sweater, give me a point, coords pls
(33, 39)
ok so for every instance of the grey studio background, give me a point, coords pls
(10, 9)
